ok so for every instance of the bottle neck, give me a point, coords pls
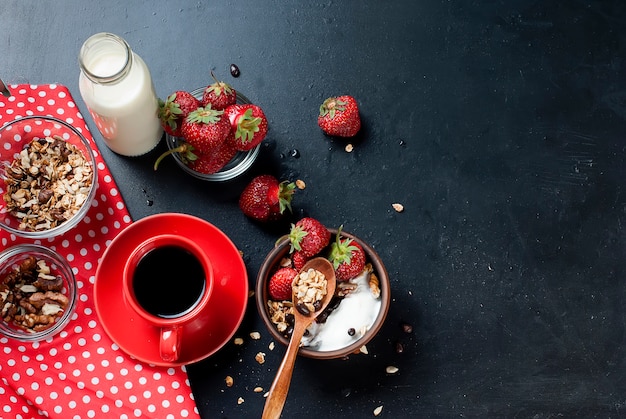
(105, 58)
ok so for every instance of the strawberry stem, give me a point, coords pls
(185, 149)
(341, 251)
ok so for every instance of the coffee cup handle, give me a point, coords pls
(169, 344)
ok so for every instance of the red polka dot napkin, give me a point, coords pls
(81, 372)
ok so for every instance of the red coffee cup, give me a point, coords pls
(167, 280)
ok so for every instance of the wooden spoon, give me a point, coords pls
(280, 387)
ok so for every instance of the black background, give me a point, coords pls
(499, 125)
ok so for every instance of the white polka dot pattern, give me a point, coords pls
(82, 373)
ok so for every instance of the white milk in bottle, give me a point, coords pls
(117, 88)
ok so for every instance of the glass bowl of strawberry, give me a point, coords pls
(358, 308)
(221, 163)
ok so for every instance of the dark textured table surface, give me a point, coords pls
(499, 125)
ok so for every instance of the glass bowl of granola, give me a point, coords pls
(48, 177)
(38, 292)
(354, 316)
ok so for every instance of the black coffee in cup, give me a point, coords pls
(168, 281)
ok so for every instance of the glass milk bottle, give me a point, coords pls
(116, 86)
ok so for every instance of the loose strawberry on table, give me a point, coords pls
(309, 236)
(266, 199)
(174, 109)
(339, 116)
(219, 95)
(249, 123)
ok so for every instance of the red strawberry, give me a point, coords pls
(280, 284)
(205, 129)
(215, 160)
(299, 260)
(175, 108)
(347, 257)
(265, 199)
(219, 95)
(339, 116)
(309, 236)
(249, 124)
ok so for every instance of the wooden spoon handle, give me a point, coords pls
(280, 387)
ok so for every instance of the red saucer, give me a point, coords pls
(226, 307)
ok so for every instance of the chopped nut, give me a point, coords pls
(258, 389)
(398, 207)
(300, 184)
(240, 400)
(345, 288)
(31, 296)
(391, 369)
(51, 309)
(349, 148)
(238, 341)
(378, 410)
(260, 357)
(255, 335)
(374, 284)
(229, 381)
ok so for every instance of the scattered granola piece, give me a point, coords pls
(300, 184)
(260, 357)
(398, 207)
(240, 400)
(229, 381)
(255, 335)
(378, 410)
(349, 148)
(238, 341)
(258, 389)
(363, 350)
(271, 346)
(391, 369)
